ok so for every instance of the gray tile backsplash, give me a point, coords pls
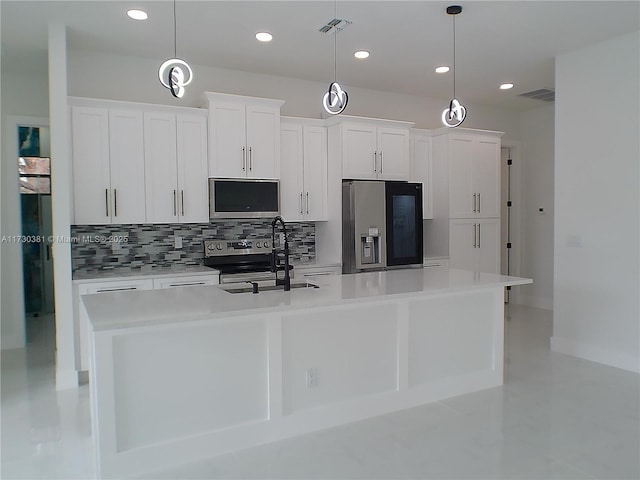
(150, 247)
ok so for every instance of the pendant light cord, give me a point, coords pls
(335, 42)
(175, 35)
(454, 56)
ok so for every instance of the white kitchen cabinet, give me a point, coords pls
(176, 167)
(244, 136)
(372, 149)
(91, 288)
(474, 175)
(108, 165)
(303, 172)
(474, 244)
(422, 169)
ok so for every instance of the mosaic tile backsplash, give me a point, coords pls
(150, 247)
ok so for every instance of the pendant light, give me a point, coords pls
(456, 113)
(335, 99)
(172, 72)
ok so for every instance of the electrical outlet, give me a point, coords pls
(177, 242)
(311, 377)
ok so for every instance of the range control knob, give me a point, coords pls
(219, 246)
(266, 244)
(210, 246)
(258, 244)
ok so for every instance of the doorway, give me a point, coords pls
(34, 183)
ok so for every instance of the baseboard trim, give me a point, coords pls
(596, 354)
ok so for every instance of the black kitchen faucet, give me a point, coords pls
(286, 282)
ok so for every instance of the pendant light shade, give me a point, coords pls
(456, 113)
(175, 73)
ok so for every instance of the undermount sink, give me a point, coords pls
(267, 288)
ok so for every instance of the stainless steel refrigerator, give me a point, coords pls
(381, 225)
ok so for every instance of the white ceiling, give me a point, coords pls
(496, 42)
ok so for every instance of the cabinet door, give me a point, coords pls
(462, 202)
(486, 177)
(161, 169)
(91, 177)
(227, 137)
(488, 250)
(463, 244)
(126, 155)
(422, 171)
(193, 200)
(393, 153)
(263, 142)
(315, 173)
(291, 171)
(359, 152)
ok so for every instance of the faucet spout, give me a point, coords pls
(286, 282)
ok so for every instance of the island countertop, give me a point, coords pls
(116, 310)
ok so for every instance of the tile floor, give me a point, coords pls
(556, 417)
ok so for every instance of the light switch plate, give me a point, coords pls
(177, 242)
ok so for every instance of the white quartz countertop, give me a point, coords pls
(175, 271)
(114, 310)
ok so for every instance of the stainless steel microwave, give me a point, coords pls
(243, 198)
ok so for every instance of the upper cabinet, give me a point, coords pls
(371, 149)
(138, 163)
(303, 170)
(244, 136)
(422, 168)
(176, 167)
(474, 173)
(108, 165)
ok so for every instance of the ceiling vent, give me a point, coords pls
(544, 94)
(334, 25)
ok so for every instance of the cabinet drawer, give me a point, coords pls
(185, 281)
(115, 286)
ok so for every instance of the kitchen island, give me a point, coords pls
(183, 374)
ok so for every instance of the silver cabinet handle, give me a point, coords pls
(478, 235)
(175, 204)
(244, 159)
(115, 289)
(478, 204)
(300, 203)
(115, 202)
(187, 284)
(250, 159)
(307, 203)
(375, 162)
(475, 235)
(474, 204)
(381, 161)
(106, 201)
(182, 201)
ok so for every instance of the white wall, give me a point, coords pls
(23, 96)
(115, 77)
(537, 133)
(597, 205)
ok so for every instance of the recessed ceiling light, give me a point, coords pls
(443, 69)
(264, 36)
(506, 86)
(137, 14)
(361, 54)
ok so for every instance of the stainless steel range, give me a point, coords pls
(240, 260)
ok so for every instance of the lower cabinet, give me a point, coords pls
(474, 244)
(121, 285)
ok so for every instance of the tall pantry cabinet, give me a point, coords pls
(473, 164)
